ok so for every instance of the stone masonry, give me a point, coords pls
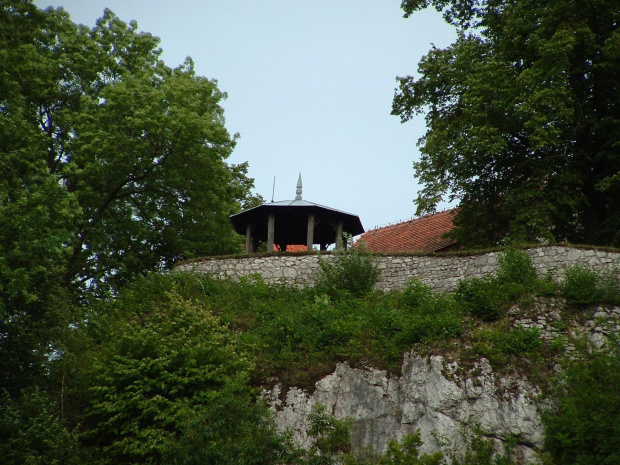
(441, 272)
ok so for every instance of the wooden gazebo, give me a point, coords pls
(294, 222)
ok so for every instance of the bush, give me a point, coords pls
(583, 428)
(580, 285)
(480, 450)
(515, 266)
(32, 434)
(499, 343)
(516, 280)
(609, 285)
(352, 270)
(332, 438)
(481, 298)
(164, 366)
(416, 294)
(404, 452)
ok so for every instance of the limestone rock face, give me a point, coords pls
(432, 395)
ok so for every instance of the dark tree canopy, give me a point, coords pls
(523, 117)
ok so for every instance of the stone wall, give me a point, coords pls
(441, 272)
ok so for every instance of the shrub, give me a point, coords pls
(480, 298)
(580, 285)
(166, 363)
(498, 343)
(416, 294)
(516, 280)
(480, 450)
(404, 452)
(32, 434)
(583, 427)
(352, 270)
(515, 266)
(332, 437)
(609, 285)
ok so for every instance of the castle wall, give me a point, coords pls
(441, 272)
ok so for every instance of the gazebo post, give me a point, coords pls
(339, 236)
(270, 232)
(249, 240)
(310, 237)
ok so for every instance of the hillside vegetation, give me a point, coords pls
(107, 358)
(169, 372)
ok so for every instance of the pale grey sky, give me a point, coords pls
(310, 87)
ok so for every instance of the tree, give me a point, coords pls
(31, 433)
(37, 218)
(523, 120)
(170, 384)
(139, 147)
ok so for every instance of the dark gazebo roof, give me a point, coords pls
(291, 222)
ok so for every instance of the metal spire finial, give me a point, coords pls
(298, 191)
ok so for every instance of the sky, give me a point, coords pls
(310, 88)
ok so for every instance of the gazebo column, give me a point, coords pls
(310, 236)
(249, 240)
(339, 236)
(271, 221)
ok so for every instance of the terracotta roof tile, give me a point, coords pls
(294, 248)
(420, 234)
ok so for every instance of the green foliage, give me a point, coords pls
(98, 134)
(416, 294)
(488, 298)
(519, 126)
(609, 286)
(585, 286)
(235, 431)
(428, 316)
(165, 365)
(497, 344)
(480, 450)
(350, 270)
(583, 427)
(298, 335)
(515, 266)
(580, 285)
(404, 452)
(481, 297)
(332, 438)
(33, 434)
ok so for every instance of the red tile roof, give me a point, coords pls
(417, 235)
(293, 248)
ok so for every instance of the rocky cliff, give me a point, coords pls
(439, 396)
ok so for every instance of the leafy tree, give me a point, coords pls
(33, 434)
(35, 309)
(37, 217)
(112, 164)
(171, 382)
(139, 147)
(523, 119)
